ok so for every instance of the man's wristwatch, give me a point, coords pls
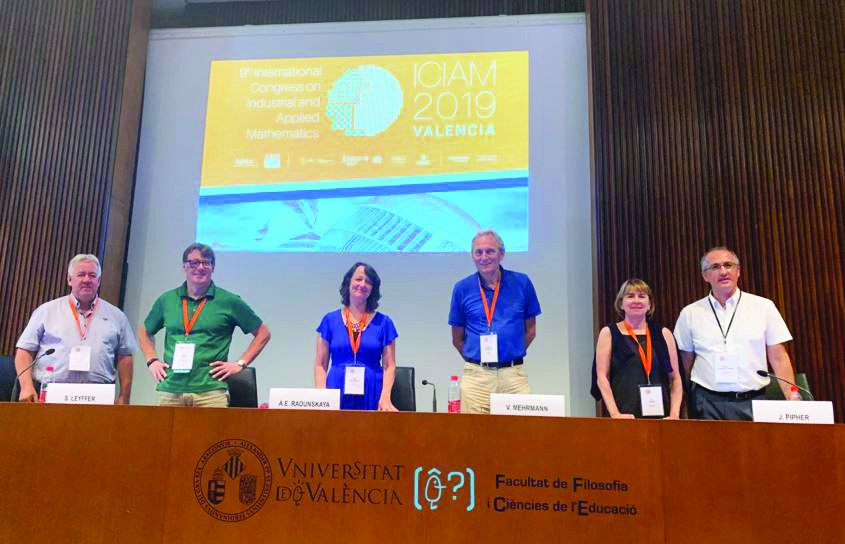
(152, 359)
(241, 363)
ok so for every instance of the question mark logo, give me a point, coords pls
(432, 491)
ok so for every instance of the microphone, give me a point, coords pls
(771, 375)
(32, 364)
(433, 395)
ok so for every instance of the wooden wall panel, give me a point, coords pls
(307, 11)
(723, 123)
(67, 143)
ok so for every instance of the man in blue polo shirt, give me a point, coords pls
(493, 319)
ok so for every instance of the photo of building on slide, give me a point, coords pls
(411, 153)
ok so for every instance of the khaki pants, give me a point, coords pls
(478, 382)
(216, 398)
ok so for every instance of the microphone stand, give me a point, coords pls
(772, 375)
(16, 389)
(433, 395)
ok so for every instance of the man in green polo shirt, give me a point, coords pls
(199, 319)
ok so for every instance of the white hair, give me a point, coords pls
(84, 257)
(491, 233)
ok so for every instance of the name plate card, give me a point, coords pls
(80, 393)
(528, 405)
(304, 399)
(792, 411)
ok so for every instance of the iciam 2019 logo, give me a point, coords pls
(364, 101)
(232, 480)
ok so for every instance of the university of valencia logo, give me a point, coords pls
(232, 480)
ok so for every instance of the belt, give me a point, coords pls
(734, 395)
(501, 364)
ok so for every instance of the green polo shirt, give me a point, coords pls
(212, 334)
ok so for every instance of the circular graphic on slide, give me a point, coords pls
(364, 101)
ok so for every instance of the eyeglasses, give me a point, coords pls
(195, 263)
(728, 266)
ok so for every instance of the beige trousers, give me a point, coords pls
(216, 398)
(478, 382)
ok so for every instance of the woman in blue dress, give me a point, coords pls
(360, 343)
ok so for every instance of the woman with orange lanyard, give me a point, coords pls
(637, 361)
(361, 344)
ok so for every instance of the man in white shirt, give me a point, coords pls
(725, 338)
(84, 338)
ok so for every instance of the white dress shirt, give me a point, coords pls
(756, 324)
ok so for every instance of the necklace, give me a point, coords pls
(356, 326)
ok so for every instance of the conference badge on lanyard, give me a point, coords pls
(726, 364)
(183, 352)
(651, 400)
(651, 396)
(353, 382)
(490, 341)
(726, 368)
(80, 356)
(80, 359)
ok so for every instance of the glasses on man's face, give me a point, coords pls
(196, 263)
(727, 265)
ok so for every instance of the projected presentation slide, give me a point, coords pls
(402, 153)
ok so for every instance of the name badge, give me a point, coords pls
(791, 411)
(527, 405)
(183, 357)
(80, 393)
(303, 399)
(489, 348)
(353, 383)
(727, 370)
(80, 358)
(651, 400)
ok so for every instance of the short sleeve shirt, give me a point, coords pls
(380, 332)
(517, 302)
(756, 324)
(211, 334)
(52, 325)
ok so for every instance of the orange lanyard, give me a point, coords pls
(190, 325)
(488, 310)
(82, 330)
(355, 343)
(646, 360)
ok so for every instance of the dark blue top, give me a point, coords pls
(379, 333)
(517, 302)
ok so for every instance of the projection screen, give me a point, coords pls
(298, 150)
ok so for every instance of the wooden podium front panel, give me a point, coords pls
(83, 473)
(147, 474)
(552, 451)
(753, 482)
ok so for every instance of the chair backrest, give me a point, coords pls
(7, 378)
(404, 393)
(774, 392)
(243, 389)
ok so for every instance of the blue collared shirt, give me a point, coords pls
(517, 302)
(52, 325)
